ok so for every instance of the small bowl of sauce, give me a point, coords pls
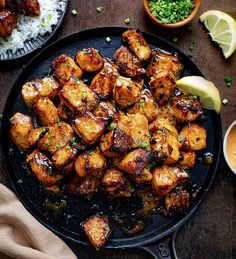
(230, 147)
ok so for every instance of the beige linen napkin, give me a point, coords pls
(22, 236)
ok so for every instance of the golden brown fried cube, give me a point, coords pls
(86, 186)
(46, 111)
(135, 161)
(57, 136)
(125, 92)
(97, 229)
(37, 134)
(64, 67)
(146, 106)
(90, 163)
(115, 183)
(114, 143)
(193, 137)
(21, 127)
(177, 201)
(135, 126)
(165, 178)
(166, 146)
(149, 201)
(33, 91)
(8, 22)
(64, 112)
(162, 87)
(137, 44)
(162, 61)
(166, 113)
(187, 160)
(89, 60)
(103, 83)
(66, 155)
(128, 64)
(78, 97)
(185, 108)
(106, 110)
(89, 127)
(30, 92)
(144, 177)
(160, 123)
(43, 169)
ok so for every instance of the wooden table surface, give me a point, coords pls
(210, 232)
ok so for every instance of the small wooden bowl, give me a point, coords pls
(172, 25)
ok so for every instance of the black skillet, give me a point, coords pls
(66, 223)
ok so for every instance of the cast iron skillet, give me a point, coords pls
(33, 197)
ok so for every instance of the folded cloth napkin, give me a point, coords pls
(22, 236)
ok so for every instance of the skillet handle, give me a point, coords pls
(164, 249)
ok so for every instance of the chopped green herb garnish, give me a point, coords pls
(127, 21)
(149, 135)
(132, 190)
(142, 103)
(159, 149)
(20, 181)
(1, 116)
(85, 156)
(84, 96)
(43, 25)
(100, 9)
(144, 144)
(108, 39)
(228, 80)
(175, 39)
(47, 144)
(74, 12)
(225, 101)
(74, 144)
(68, 147)
(57, 146)
(90, 152)
(112, 126)
(181, 139)
(129, 120)
(49, 135)
(59, 124)
(50, 16)
(73, 139)
(87, 130)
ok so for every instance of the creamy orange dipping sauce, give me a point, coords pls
(231, 147)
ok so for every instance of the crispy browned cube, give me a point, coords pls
(8, 21)
(164, 62)
(165, 178)
(36, 134)
(64, 67)
(185, 108)
(64, 112)
(137, 44)
(103, 83)
(30, 92)
(33, 91)
(144, 177)
(193, 137)
(187, 160)
(128, 64)
(135, 126)
(90, 163)
(106, 110)
(162, 87)
(46, 111)
(166, 146)
(115, 183)
(146, 106)
(114, 143)
(97, 229)
(149, 201)
(43, 169)
(166, 113)
(78, 97)
(26, 7)
(66, 155)
(160, 123)
(57, 136)
(177, 201)
(86, 186)
(126, 92)
(21, 127)
(135, 161)
(89, 60)
(89, 127)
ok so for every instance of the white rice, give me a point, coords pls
(30, 27)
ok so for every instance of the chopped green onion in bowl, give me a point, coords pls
(171, 11)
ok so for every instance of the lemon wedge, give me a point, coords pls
(222, 28)
(206, 90)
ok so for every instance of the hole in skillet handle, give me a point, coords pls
(163, 249)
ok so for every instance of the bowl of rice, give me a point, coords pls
(31, 33)
(171, 13)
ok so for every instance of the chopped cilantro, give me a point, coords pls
(112, 126)
(144, 144)
(43, 24)
(228, 80)
(59, 124)
(129, 120)
(181, 139)
(50, 16)
(47, 143)
(57, 146)
(49, 136)
(68, 147)
(74, 144)
(142, 103)
(90, 152)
